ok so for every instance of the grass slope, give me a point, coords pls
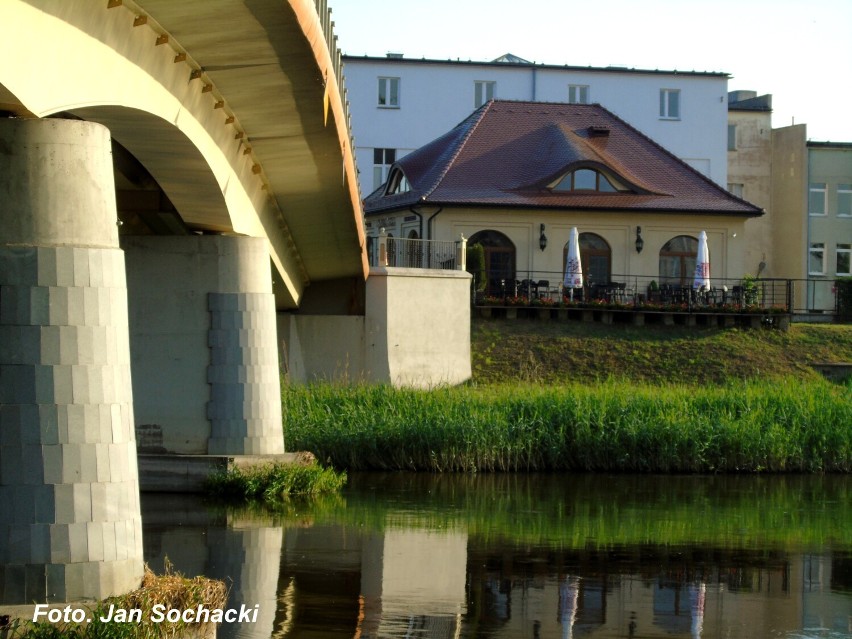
(557, 352)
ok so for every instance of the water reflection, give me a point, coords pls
(530, 556)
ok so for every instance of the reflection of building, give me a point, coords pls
(517, 176)
(342, 580)
(827, 587)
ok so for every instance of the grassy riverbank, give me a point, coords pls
(555, 352)
(614, 426)
(587, 397)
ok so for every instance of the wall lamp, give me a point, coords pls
(640, 243)
(542, 239)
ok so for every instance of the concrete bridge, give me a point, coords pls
(179, 223)
(172, 175)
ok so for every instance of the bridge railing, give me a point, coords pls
(337, 62)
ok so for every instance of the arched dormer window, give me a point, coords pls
(585, 179)
(397, 183)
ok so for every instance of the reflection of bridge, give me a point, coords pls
(223, 171)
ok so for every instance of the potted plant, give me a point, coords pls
(654, 291)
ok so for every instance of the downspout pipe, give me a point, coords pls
(429, 221)
(419, 217)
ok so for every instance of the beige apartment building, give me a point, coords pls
(805, 187)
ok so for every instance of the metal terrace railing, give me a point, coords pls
(414, 253)
(640, 290)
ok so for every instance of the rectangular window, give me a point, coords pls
(483, 91)
(816, 198)
(844, 200)
(844, 259)
(816, 259)
(578, 94)
(736, 189)
(389, 92)
(732, 137)
(382, 160)
(670, 104)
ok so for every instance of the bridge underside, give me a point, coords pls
(222, 104)
(142, 262)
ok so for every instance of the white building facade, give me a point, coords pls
(398, 104)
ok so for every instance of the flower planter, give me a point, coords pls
(783, 322)
(639, 319)
(588, 316)
(485, 312)
(543, 314)
(668, 319)
(511, 313)
(562, 314)
(606, 317)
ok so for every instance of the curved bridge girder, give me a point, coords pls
(221, 101)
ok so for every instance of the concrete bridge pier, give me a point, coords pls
(70, 525)
(206, 379)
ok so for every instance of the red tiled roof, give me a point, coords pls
(506, 153)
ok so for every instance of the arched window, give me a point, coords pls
(595, 258)
(499, 260)
(397, 183)
(587, 180)
(677, 260)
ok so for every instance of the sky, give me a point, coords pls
(800, 51)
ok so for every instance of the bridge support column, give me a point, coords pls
(204, 345)
(244, 376)
(70, 525)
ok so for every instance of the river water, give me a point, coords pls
(511, 556)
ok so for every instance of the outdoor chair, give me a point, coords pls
(543, 288)
(529, 289)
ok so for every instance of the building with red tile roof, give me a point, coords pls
(513, 173)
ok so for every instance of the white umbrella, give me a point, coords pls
(702, 264)
(573, 269)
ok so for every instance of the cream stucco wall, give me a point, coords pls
(725, 236)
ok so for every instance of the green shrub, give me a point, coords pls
(476, 265)
(273, 482)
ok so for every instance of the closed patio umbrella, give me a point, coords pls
(573, 269)
(701, 281)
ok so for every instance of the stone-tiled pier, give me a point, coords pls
(70, 525)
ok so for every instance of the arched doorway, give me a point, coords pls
(595, 259)
(677, 260)
(499, 260)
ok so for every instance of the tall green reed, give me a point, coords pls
(615, 426)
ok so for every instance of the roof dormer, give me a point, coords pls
(397, 182)
(587, 179)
